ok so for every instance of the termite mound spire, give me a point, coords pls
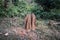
(30, 22)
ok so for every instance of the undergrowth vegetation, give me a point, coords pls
(11, 8)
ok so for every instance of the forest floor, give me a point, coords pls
(43, 30)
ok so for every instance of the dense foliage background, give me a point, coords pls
(44, 9)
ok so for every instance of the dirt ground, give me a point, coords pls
(43, 30)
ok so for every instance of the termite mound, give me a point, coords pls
(30, 22)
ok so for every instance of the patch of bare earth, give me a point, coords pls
(21, 33)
